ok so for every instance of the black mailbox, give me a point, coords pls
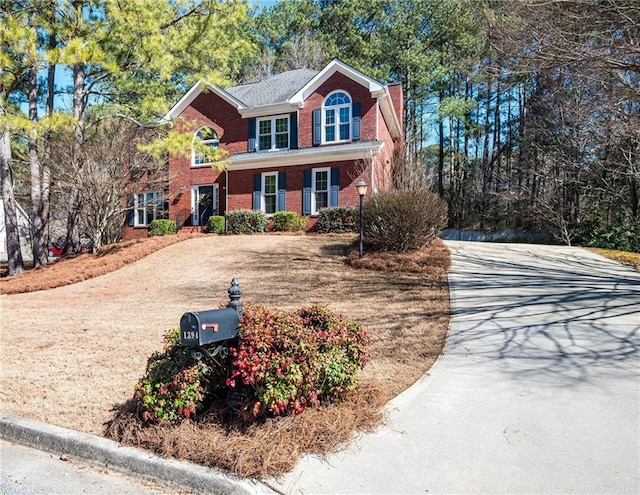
(208, 327)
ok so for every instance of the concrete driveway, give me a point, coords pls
(538, 390)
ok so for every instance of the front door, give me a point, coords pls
(205, 203)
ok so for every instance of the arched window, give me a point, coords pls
(208, 137)
(336, 115)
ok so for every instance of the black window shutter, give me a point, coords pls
(317, 126)
(251, 144)
(282, 192)
(293, 131)
(131, 214)
(335, 186)
(257, 190)
(306, 192)
(355, 123)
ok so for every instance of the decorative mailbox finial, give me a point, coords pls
(234, 297)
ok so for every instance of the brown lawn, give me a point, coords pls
(72, 354)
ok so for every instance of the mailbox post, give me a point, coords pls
(211, 333)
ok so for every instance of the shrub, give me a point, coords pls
(286, 360)
(162, 227)
(172, 388)
(623, 236)
(215, 224)
(288, 221)
(246, 221)
(402, 221)
(338, 220)
(293, 360)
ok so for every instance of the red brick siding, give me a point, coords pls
(358, 93)
(241, 185)
(210, 109)
(395, 90)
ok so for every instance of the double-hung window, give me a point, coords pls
(148, 206)
(320, 183)
(270, 192)
(205, 142)
(336, 115)
(273, 133)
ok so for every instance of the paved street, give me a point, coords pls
(26, 471)
(538, 390)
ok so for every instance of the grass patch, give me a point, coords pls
(624, 257)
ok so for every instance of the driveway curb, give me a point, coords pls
(128, 460)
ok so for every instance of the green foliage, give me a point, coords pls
(338, 220)
(172, 388)
(215, 224)
(162, 227)
(288, 221)
(623, 236)
(294, 360)
(286, 360)
(402, 221)
(246, 221)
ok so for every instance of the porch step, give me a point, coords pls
(197, 229)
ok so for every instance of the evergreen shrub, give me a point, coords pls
(162, 227)
(287, 361)
(288, 221)
(215, 224)
(246, 221)
(338, 220)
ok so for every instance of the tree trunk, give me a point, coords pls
(16, 264)
(72, 242)
(38, 224)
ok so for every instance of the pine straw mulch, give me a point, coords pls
(272, 448)
(77, 268)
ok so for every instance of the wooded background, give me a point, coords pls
(520, 113)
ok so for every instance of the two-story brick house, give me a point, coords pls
(297, 141)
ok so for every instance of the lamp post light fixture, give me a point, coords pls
(361, 187)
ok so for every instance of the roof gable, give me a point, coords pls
(334, 66)
(196, 90)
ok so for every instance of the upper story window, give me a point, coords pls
(273, 133)
(336, 117)
(208, 137)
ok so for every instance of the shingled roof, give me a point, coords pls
(273, 90)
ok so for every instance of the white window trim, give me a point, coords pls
(138, 208)
(336, 125)
(314, 209)
(212, 142)
(273, 132)
(195, 210)
(263, 202)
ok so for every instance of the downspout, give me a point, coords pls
(226, 197)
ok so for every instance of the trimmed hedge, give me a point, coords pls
(215, 224)
(246, 221)
(162, 227)
(288, 221)
(403, 221)
(338, 220)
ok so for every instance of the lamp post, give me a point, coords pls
(361, 187)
